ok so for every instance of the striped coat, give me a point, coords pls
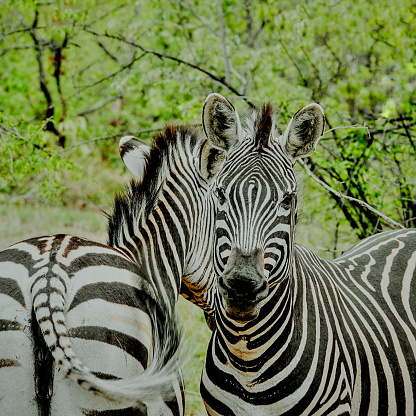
(67, 303)
(296, 334)
(336, 337)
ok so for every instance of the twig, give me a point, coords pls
(407, 133)
(346, 127)
(348, 198)
(189, 7)
(97, 106)
(13, 131)
(106, 14)
(112, 75)
(104, 48)
(112, 136)
(13, 48)
(329, 250)
(224, 42)
(26, 29)
(391, 129)
(172, 58)
(295, 64)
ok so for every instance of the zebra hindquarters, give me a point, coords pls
(18, 392)
(111, 333)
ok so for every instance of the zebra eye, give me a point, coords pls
(287, 201)
(219, 193)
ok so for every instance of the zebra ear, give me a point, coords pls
(211, 160)
(134, 154)
(222, 128)
(304, 131)
(221, 122)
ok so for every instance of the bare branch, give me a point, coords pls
(97, 106)
(112, 75)
(175, 59)
(107, 52)
(26, 29)
(355, 126)
(14, 48)
(106, 14)
(304, 80)
(13, 131)
(50, 126)
(116, 135)
(348, 198)
(408, 134)
(395, 128)
(57, 73)
(112, 136)
(189, 7)
(224, 42)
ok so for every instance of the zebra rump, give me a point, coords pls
(155, 380)
(41, 299)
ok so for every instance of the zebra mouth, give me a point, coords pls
(238, 311)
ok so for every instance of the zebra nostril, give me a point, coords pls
(262, 290)
(224, 289)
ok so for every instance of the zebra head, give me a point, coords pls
(256, 199)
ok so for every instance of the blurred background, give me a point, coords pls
(75, 76)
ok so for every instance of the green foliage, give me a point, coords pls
(27, 165)
(84, 73)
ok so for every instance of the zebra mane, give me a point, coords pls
(139, 197)
(260, 123)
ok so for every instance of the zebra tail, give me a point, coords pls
(48, 297)
(157, 379)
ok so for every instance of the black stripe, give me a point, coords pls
(118, 339)
(215, 404)
(103, 259)
(9, 363)
(129, 411)
(113, 292)
(10, 288)
(105, 376)
(7, 325)
(19, 257)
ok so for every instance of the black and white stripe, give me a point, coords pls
(113, 306)
(298, 335)
(88, 298)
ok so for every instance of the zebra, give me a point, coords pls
(113, 305)
(296, 334)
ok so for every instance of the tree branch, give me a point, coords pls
(224, 42)
(57, 72)
(407, 133)
(97, 106)
(348, 198)
(50, 125)
(114, 136)
(175, 59)
(112, 75)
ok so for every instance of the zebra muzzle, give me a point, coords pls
(243, 284)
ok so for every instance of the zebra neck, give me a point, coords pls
(274, 326)
(163, 243)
